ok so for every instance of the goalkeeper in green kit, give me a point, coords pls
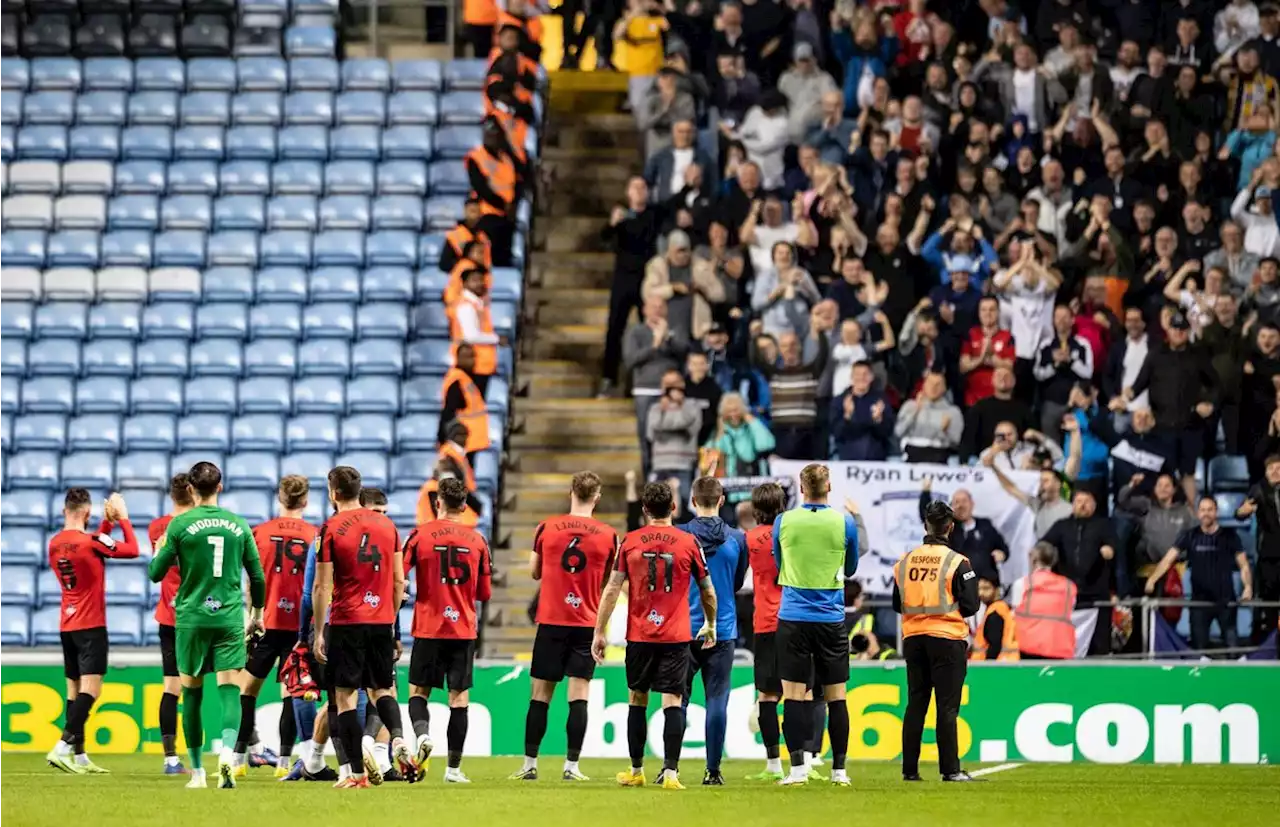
(213, 549)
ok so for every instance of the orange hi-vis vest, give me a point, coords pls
(924, 585)
(475, 415)
(451, 453)
(479, 13)
(462, 235)
(532, 26)
(453, 289)
(1008, 642)
(517, 130)
(426, 513)
(486, 354)
(1044, 616)
(501, 175)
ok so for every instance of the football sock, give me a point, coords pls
(77, 714)
(389, 711)
(288, 730)
(248, 715)
(838, 720)
(795, 728)
(535, 726)
(335, 735)
(372, 723)
(350, 732)
(576, 729)
(419, 715)
(637, 734)
(169, 723)
(817, 713)
(458, 720)
(672, 737)
(192, 727)
(382, 756)
(717, 724)
(229, 698)
(304, 712)
(769, 733)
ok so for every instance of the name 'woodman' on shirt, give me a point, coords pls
(226, 525)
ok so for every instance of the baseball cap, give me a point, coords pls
(961, 263)
(717, 329)
(802, 51)
(678, 240)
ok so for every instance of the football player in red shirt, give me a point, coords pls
(659, 563)
(767, 502)
(454, 571)
(282, 546)
(76, 557)
(581, 552)
(360, 571)
(182, 503)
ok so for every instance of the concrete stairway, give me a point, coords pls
(558, 426)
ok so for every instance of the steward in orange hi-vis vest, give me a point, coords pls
(464, 401)
(462, 236)
(471, 322)
(997, 637)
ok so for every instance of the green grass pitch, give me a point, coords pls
(136, 794)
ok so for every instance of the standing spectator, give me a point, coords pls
(863, 420)
(1124, 361)
(975, 537)
(741, 442)
(784, 294)
(1228, 344)
(1048, 505)
(1253, 208)
(1234, 26)
(923, 351)
(986, 349)
(666, 170)
(1028, 289)
(984, 418)
(672, 432)
(633, 232)
(1082, 442)
(662, 107)
(1056, 198)
(701, 389)
(641, 28)
(1250, 90)
(763, 132)
(689, 287)
(1259, 380)
(929, 427)
(1021, 88)
(865, 55)
(1213, 554)
(1232, 257)
(736, 90)
(1086, 544)
(1264, 504)
(831, 133)
(793, 389)
(763, 228)
(806, 87)
(1031, 452)
(1162, 515)
(957, 300)
(846, 353)
(1061, 363)
(650, 351)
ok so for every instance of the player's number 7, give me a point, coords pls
(218, 551)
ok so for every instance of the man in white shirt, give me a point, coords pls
(1124, 363)
(1253, 210)
(1055, 201)
(1127, 68)
(472, 312)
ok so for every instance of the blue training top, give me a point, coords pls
(816, 605)
(726, 552)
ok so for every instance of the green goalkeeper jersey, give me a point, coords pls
(212, 548)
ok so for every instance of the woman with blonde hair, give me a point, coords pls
(739, 446)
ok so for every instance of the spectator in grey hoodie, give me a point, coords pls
(1163, 517)
(783, 294)
(804, 84)
(831, 133)
(672, 432)
(650, 349)
(929, 426)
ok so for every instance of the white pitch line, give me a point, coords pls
(992, 770)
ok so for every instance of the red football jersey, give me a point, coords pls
(661, 563)
(77, 558)
(282, 545)
(764, 576)
(172, 578)
(581, 553)
(454, 571)
(978, 382)
(361, 544)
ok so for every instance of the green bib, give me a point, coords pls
(813, 547)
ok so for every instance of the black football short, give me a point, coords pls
(657, 667)
(272, 647)
(436, 662)
(361, 656)
(84, 652)
(168, 651)
(560, 651)
(817, 652)
(765, 666)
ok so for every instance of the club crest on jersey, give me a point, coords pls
(286, 604)
(655, 618)
(212, 603)
(372, 599)
(573, 600)
(452, 614)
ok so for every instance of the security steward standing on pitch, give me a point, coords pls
(934, 590)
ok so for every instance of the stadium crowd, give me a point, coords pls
(1032, 235)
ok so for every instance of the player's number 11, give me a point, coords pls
(668, 569)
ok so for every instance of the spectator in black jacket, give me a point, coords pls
(1264, 503)
(981, 420)
(1086, 544)
(1258, 391)
(862, 419)
(1124, 361)
(1065, 360)
(975, 537)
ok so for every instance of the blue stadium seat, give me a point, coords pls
(23, 248)
(498, 393)
(417, 432)
(418, 108)
(281, 284)
(205, 109)
(367, 432)
(313, 73)
(216, 357)
(449, 178)
(457, 141)
(61, 320)
(126, 248)
(359, 142)
(54, 357)
(328, 320)
(257, 432)
(100, 394)
(398, 212)
(344, 212)
(285, 248)
(402, 507)
(124, 626)
(335, 284)
(276, 321)
(94, 470)
(417, 74)
(466, 74)
(486, 468)
(153, 108)
(251, 143)
(24, 508)
(94, 432)
(168, 320)
(378, 356)
(324, 357)
(320, 394)
(109, 359)
(233, 247)
(373, 394)
(15, 73)
(445, 211)
(309, 41)
(366, 73)
(55, 73)
(297, 178)
(388, 284)
(179, 248)
(383, 320)
(241, 177)
(174, 284)
(263, 108)
(115, 320)
(19, 587)
(181, 462)
(228, 284)
(11, 106)
(431, 357)
(13, 358)
(140, 176)
(304, 143)
(199, 143)
(431, 320)
(402, 178)
(296, 211)
(203, 432)
(73, 248)
(105, 108)
(15, 625)
(143, 469)
(211, 394)
(265, 394)
(1226, 473)
(32, 469)
(187, 212)
(411, 142)
(312, 432)
(108, 73)
(360, 108)
(339, 248)
(391, 248)
(126, 585)
(262, 74)
(239, 212)
(6, 431)
(461, 108)
(252, 470)
(411, 470)
(45, 627)
(166, 73)
(314, 465)
(40, 432)
(8, 143)
(150, 432)
(310, 108)
(93, 143)
(194, 178)
(1228, 502)
(508, 284)
(10, 393)
(49, 107)
(348, 178)
(16, 318)
(214, 74)
(504, 318)
(156, 394)
(371, 465)
(49, 395)
(145, 506)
